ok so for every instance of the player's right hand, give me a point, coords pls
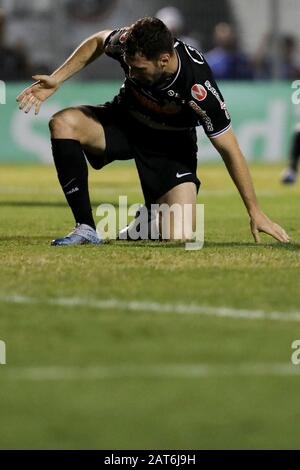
(259, 222)
(35, 94)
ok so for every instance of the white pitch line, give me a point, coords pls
(144, 371)
(155, 307)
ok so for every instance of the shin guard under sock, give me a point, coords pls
(72, 172)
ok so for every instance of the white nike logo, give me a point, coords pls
(183, 174)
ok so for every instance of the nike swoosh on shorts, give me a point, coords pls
(183, 174)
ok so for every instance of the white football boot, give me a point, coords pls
(81, 235)
(144, 226)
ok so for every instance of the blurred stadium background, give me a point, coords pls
(103, 350)
(36, 36)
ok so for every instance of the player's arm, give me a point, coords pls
(207, 102)
(88, 51)
(227, 146)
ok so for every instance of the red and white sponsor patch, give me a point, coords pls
(199, 92)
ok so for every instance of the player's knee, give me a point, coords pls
(177, 232)
(182, 235)
(176, 223)
(64, 124)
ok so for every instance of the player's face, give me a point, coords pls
(147, 72)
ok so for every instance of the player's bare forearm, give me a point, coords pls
(88, 51)
(237, 167)
(46, 85)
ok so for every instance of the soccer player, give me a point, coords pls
(168, 90)
(290, 174)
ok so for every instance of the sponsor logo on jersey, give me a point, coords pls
(165, 107)
(205, 118)
(218, 97)
(173, 93)
(198, 92)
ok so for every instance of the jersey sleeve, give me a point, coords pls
(207, 101)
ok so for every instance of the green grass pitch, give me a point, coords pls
(103, 348)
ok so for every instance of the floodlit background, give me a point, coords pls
(145, 345)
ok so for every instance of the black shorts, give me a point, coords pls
(164, 158)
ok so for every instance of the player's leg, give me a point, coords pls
(167, 164)
(174, 220)
(179, 223)
(295, 151)
(73, 130)
(168, 173)
(290, 174)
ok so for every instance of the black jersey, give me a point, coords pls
(189, 98)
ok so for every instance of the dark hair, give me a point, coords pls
(149, 37)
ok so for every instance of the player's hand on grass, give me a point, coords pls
(35, 94)
(259, 222)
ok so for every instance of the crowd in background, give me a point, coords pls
(229, 62)
(14, 60)
(227, 58)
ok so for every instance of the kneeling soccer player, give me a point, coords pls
(168, 90)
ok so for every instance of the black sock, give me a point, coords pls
(295, 151)
(72, 172)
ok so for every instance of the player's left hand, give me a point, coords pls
(259, 222)
(37, 93)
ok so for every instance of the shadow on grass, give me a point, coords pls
(272, 244)
(45, 240)
(23, 238)
(207, 245)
